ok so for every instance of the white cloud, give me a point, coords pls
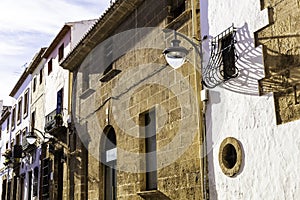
(45, 16)
(26, 26)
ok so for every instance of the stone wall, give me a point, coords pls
(280, 41)
(145, 82)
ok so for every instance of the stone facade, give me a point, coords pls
(132, 127)
(145, 83)
(280, 42)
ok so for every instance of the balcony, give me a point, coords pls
(54, 125)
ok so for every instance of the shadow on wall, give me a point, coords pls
(249, 65)
(243, 161)
(281, 53)
(282, 70)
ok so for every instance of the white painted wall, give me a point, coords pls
(59, 78)
(79, 29)
(270, 168)
(25, 120)
(5, 134)
(36, 105)
(9, 135)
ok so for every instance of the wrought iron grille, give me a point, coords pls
(221, 65)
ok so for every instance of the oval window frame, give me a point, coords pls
(238, 162)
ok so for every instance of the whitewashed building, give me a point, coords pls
(251, 152)
(4, 145)
(57, 79)
(56, 105)
(41, 93)
(30, 167)
(15, 125)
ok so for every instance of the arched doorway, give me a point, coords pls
(109, 159)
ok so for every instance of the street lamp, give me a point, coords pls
(175, 55)
(31, 137)
(221, 64)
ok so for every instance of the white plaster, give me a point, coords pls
(270, 168)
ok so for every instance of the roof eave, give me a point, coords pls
(62, 33)
(99, 32)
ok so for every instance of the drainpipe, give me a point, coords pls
(202, 100)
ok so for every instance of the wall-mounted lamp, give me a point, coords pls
(221, 65)
(31, 136)
(175, 55)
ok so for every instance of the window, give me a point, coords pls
(35, 181)
(148, 124)
(32, 120)
(228, 57)
(34, 84)
(3, 196)
(19, 116)
(18, 138)
(108, 59)
(230, 156)
(178, 8)
(26, 103)
(15, 187)
(29, 185)
(46, 171)
(13, 118)
(110, 71)
(61, 52)
(221, 65)
(41, 76)
(17, 148)
(59, 101)
(22, 186)
(7, 128)
(85, 81)
(49, 66)
(8, 189)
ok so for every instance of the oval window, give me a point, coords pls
(230, 156)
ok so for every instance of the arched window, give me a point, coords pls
(109, 159)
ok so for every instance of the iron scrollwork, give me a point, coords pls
(221, 65)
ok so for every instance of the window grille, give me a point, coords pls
(221, 65)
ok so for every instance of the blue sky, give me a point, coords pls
(26, 26)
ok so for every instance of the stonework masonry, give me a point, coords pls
(180, 179)
(281, 52)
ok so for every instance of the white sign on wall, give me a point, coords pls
(111, 155)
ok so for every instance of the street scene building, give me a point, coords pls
(180, 99)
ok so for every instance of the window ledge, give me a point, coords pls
(87, 93)
(109, 75)
(150, 194)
